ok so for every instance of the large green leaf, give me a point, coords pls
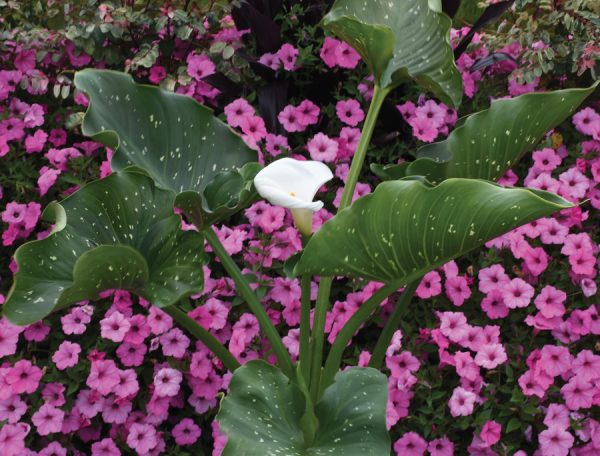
(261, 414)
(400, 41)
(488, 143)
(116, 233)
(409, 227)
(177, 141)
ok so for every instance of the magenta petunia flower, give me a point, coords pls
(349, 112)
(142, 438)
(462, 402)
(410, 444)
(322, 148)
(517, 293)
(290, 120)
(48, 419)
(114, 327)
(237, 111)
(67, 355)
(186, 432)
(556, 441)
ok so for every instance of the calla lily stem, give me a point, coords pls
(305, 353)
(322, 305)
(392, 324)
(334, 359)
(203, 336)
(358, 160)
(283, 357)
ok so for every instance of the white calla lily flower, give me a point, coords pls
(293, 184)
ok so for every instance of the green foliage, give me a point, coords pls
(541, 28)
(409, 227)
(400, 42)
(178, 142)
(263, 411)
(486, 144)
(116, 233)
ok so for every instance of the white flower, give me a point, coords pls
(293, 184)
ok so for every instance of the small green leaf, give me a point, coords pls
(409, 227)
(486, 144)
(400, 41)
(263, 411)
(116, 233)
(177, 141)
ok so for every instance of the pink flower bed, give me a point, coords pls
(499, 354)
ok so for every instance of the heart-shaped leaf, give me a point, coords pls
(177, 141)
(116, 233)
(488, 143)
(400, 41)
(409, 227)
(261, 414)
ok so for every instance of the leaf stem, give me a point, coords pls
(334, 359)
(305, 353)
(318, 336)
(358, 160)
(392, 324)
(203, 336)
(242, 286)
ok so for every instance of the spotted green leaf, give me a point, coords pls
(486, 144)
(400, 41)
(262, 412)
(177, 141)
(116, 233)
(409, 227)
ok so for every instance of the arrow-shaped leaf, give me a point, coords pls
(262, 412)
(409, 227)
(488, 143)
(177, 141)
(116, 233)
(400, 41)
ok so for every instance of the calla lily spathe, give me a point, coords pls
(293, 184)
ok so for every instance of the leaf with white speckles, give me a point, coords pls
(409, 227)
(400, 41)
(486, 144)
(176, 140)
(261, 414)
(116, 233)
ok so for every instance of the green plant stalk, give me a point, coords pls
(242, 286)
(358, 160)
(203, 336)
(392, 324)
(322, 305)
(318, 336)
(305, 353)
(334, 359)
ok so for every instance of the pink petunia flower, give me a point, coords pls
(48, 419)
(517, 293)
(556, 441)
(186, 432)
(462, 402)
(167, 382)
(142, 438)
(322, 148)
(349, 112)
(114, 327)
(410, 444)
(67, 355)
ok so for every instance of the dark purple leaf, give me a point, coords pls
(224, 84)
(490, 60)
(264, 29)
(272, 98)
(490, 14)
(450, 7)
